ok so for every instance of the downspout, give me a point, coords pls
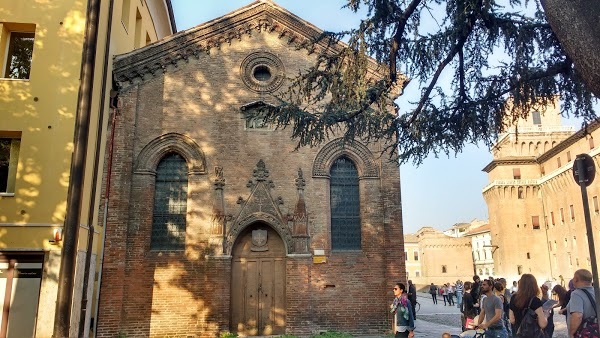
(64, 300)
(113, 121)
(91, 221)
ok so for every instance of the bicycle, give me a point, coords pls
(417, 307)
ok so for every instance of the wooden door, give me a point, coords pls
(258, 284)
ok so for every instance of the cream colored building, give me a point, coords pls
(437, 257)
(482, 250)
(535, 207)
(41, 45)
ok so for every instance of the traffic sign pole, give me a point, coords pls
(584, 171)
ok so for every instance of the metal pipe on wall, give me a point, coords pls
(64, 300)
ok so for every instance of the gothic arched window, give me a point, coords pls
(345, 206)
(170, 204)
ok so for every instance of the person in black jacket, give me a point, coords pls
(412, 297)
(476, 290)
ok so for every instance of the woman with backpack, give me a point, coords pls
(527, 297)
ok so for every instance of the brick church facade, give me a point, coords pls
(215, 223)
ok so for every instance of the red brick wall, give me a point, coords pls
(187, 294)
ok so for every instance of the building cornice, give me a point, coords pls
(509, 161)
(581, 133)
(257, 17)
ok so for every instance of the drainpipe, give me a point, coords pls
(74, 196)
(97, 168)
(115, 104)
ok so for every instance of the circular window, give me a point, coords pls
(262, 72)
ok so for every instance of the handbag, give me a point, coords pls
(589, 326)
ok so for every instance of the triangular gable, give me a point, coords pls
(258, 17)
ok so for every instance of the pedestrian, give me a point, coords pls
(404, 321)
(450, 289)
(549, 329)
(475, 290)
(459, 293)
(412, 297)
(560, 294)
(491, 310)
(433, 290)
(467, 309)
(444, 293)
(514, 288)
(527, 295)
(582, 305)
(499, 290)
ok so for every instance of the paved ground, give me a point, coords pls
(433, 320)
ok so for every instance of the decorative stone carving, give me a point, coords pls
(148, 159)
(218, 213)
(262, 72)
(259, 206)
(356, 151)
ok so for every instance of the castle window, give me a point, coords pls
(552, 217)
(572, 212)
(516, 173)
(416, 255)
(405, 255)
(562, 215)
(520, 193)
(537, 118)
(535, 221)
(519, 270)
(591, 141)
(528, 255)
(568, 156)
(16, 58)
(345, 206)
(596, 206)
(444, 269)
(170, 204)
(558, 162)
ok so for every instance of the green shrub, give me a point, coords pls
(227, 334)
(332, 334)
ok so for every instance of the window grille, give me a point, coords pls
(170, 204)
(345, 206)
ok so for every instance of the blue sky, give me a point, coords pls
(441, 191)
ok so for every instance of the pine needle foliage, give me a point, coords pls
(502, 64)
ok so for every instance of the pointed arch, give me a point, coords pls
(271, 220)
(355, 151)
(155, 150)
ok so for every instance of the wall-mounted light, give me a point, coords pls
(56, 235)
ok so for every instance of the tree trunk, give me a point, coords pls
(576, 24)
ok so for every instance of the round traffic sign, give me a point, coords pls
(585, 164)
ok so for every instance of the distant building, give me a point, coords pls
(437, 257)
(535, 207)
(482, 250)
(460, 229)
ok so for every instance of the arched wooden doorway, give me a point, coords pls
(258, 282)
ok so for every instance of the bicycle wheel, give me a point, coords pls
(417, 307)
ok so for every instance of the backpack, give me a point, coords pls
(529, 327)
(589, 326)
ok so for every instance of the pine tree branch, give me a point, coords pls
(397, 38)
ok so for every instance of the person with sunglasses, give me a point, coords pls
(404, 319)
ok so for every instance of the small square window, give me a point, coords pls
(416, 255)
(417, 274)
(516, 173)
(558, 162)
(537, 118)
(19, 42)
(568, 156)
(535, 221)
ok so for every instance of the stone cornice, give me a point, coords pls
(512, 161)
(581, 133)
(257, 17)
